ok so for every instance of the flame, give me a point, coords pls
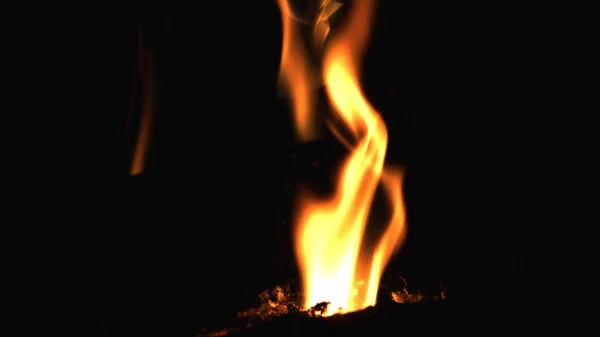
(297, 75)
(322, 26)
(146, 70)
(335, 266)
(394, 235)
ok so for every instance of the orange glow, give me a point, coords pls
(146, 70)
(334, 264)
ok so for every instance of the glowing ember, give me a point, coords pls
(335, 266)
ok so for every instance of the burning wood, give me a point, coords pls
(384, 319)
(284, 301)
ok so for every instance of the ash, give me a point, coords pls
(404, 296)
(281, 300)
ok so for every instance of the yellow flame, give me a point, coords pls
(394, 235)
(334, 265)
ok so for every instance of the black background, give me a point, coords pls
(466, 93)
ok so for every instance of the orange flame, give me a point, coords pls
(297, 75)
(328, 239)
(322, 26)
(146, 70)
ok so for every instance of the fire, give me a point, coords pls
(335, 265)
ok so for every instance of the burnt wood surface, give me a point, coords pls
(385, 319)
(416, 319)
(388, 319)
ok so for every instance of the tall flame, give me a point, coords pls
(334, 264)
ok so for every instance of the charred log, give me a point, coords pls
(386, 319)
